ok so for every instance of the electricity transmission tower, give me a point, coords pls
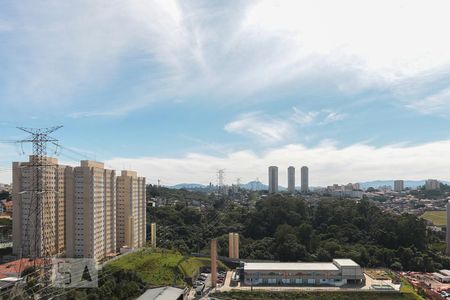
(39, 197)
(221, 180)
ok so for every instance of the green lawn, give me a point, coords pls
(408, 289)
(161, 267)
(259, 295)
(438, 218)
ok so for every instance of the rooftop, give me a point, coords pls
(345, 262)
(289, 266)
(15, 268)
(129, 173)
(162, 293)
(91, 164)
(445, 272)
(443, 276)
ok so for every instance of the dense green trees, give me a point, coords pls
(113, 284)
(288, 229)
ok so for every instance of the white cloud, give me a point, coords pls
(438, 103)
(189, 48)
(351, 31)
(267, 129)
(328, 164)
(303, 118)
(79, 46)
(332, 116)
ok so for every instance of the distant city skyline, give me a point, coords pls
(176, 91)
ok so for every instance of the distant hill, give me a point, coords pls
(408, 183)
(254, 185)
(188, 186)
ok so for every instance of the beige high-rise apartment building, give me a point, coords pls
(273, 179)
(304, 172)
(291, 179)
(91, 211)
(38, 207)
(131, 210)
(78, 210)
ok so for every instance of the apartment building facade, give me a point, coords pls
(291, 179)
(273, 179)
(77, 212)
(91, 211)
(304, 172)
(38, 195)
(131, 210)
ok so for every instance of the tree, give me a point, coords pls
(286, 228)
(323, 255)
(290, 249)
(396, 266)
(304, 233)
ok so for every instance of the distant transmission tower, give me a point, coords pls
(221, 179)
(238, 182)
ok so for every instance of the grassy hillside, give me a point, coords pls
(438, 218)
(315, 296)
(161, 267)
(190, 266)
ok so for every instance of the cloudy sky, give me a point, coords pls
(357, 90)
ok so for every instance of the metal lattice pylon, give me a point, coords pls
(41, 242)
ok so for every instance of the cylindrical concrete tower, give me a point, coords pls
(213, 263)
(231, 245)
(236, 245)
(291, 179)
(448, 228)
(153, 234)
(273, 179)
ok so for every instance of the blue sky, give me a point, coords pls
(357, 90)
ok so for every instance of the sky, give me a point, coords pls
(356, 90)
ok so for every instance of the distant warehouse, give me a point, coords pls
(336, 273)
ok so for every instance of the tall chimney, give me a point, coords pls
(448, 228)
(231, 245)
(153, 234)
(236, 245)
(213, 263)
